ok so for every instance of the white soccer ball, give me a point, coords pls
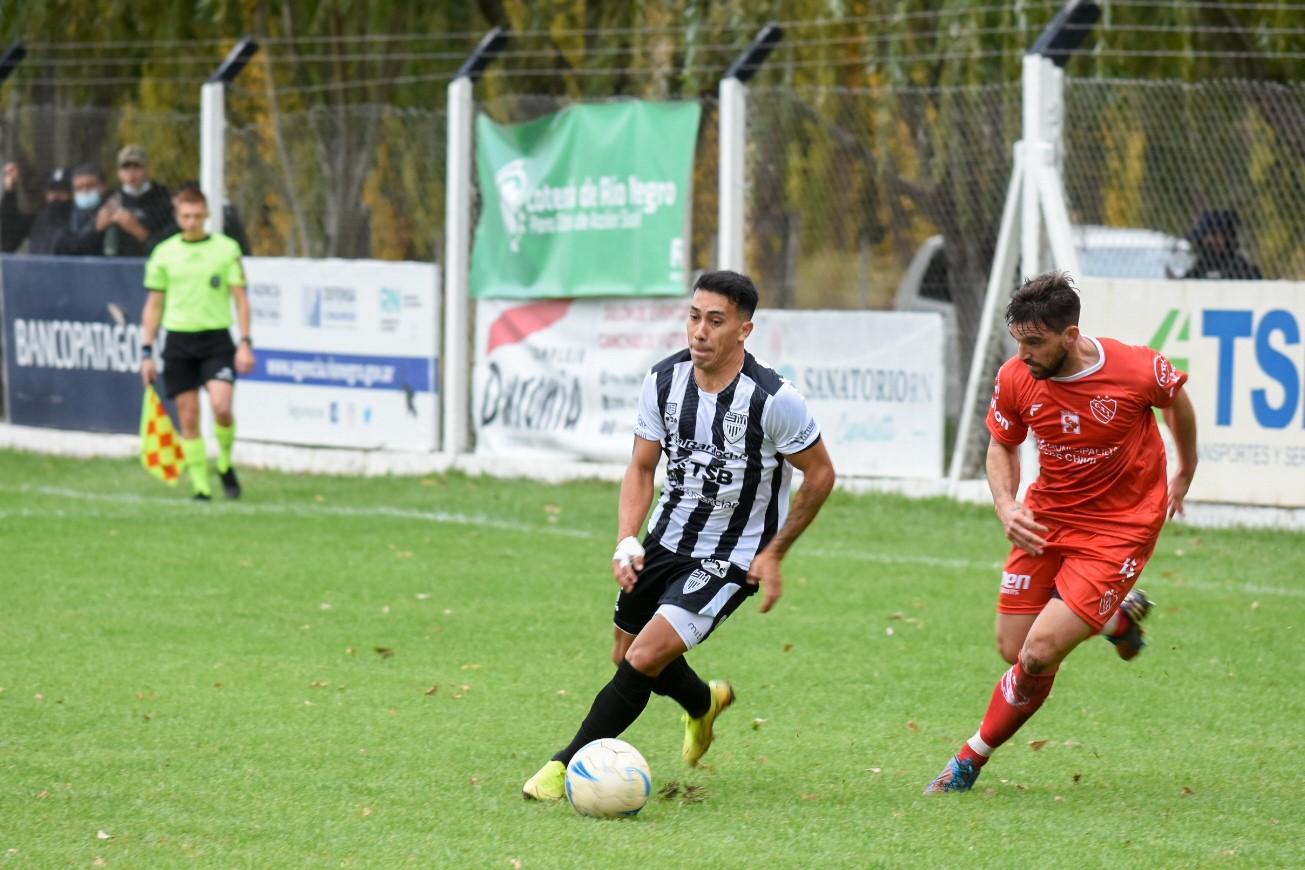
(608, 779)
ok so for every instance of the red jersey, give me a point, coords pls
(1102, 459)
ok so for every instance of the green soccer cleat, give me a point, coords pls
(697, 732)
(547, 785)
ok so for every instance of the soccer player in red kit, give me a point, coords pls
(1090, 521)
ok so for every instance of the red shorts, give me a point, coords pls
(1091, 572)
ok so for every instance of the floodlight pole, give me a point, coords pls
(213, 129)
(1035, 197)
(733, 144)
(454, 361)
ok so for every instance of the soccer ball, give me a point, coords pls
(608, 779)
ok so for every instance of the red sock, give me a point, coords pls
(1016, 698)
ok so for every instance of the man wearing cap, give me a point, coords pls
(138, 214)
(1218, 256)
(45, 231)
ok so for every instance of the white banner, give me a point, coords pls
(561, 378)
(1241, 344)
(347, 354)
(873, 379)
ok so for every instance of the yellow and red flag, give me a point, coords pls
(160, 448)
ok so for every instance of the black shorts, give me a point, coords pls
(710, 587)
(192, 359)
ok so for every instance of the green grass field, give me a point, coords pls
(362, 673)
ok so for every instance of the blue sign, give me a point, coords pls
(72, 342)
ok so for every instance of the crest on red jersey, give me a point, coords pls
(1103, 408)
(1165, 373)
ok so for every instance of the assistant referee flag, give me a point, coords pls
(160, 448)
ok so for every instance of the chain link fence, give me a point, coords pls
(857, 198)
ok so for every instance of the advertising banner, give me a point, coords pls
(1241, 344)
(873, 379)
(590, 201)
(347, 354)
(72, 342)
(561, 378)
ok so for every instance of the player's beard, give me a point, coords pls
(1051, 369)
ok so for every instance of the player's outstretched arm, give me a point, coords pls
(1180, 417)
(817, 482)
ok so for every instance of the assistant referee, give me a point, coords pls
(193, 277)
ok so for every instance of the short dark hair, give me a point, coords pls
(190, 196)
(737, 288)
(88, 169)
(1049, 300)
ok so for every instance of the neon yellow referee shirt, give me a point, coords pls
(197, 278)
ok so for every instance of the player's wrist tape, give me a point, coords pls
(244, 339)
(627, 551)
(146, 349)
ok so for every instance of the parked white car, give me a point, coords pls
(1103, 252)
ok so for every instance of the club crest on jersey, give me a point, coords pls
(696, 581)
(735, 425)
(671, 413)
(1165, 373)
(1103, 408)
(1069, 423)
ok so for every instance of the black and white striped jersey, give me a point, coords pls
(727, 482)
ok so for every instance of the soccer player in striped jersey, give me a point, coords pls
(1090, 522)
(732, 430)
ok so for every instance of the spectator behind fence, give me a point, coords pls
(138, 214)
(89, 193)
(1218, 254)
(45, 231)
(232, 226)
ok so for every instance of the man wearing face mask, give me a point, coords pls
(138, 214)
(45, 231)
(89, 192)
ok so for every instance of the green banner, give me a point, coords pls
(590, 201)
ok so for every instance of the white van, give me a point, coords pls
(1103, 252)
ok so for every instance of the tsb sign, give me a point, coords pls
(1276, 340)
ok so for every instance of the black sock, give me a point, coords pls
(614, 709)
(679, 683)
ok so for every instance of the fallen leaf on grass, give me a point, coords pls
(912, 726)
(875, 769)
(1036, 745)
(1188, 791)
(103, 835)
(432, 690)
(810, 797)
(43, 795)
(475, 782)
(472, 667)
(367, 811)
(787, 647)
(385, 651)
(688, 794)
(515, 863)
(757, 723)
